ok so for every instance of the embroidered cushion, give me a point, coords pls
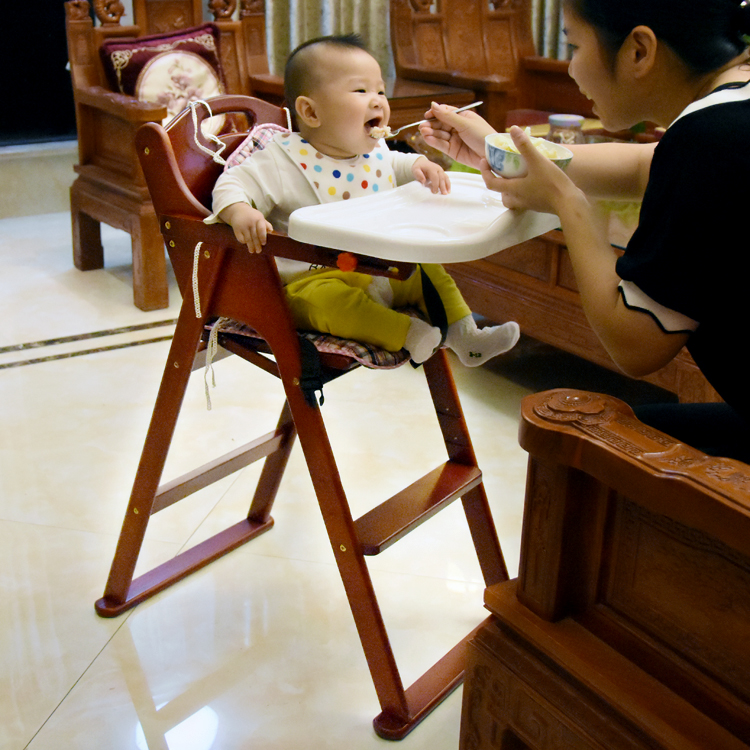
(172, 68)
(365, 354)
(257, 139)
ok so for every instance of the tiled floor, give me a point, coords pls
(258, 650)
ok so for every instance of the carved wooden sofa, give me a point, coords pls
(628, 624)
(487, 47)
(110, 187)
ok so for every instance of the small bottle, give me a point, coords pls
(565, 129)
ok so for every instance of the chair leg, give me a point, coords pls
(273, 470)
(117, 595)
(150, 288)
(402, 709)
(460, 449)
(88, 253)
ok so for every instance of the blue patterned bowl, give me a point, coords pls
(505, 161)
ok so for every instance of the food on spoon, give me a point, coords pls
(380, 131)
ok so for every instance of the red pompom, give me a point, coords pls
(346, 262)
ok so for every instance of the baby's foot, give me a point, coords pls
(421, 340)
(475, 346)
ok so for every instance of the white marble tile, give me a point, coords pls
(259, 649)
(271, 659)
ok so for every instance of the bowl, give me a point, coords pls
(505, 160)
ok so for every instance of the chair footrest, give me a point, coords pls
(385, 524)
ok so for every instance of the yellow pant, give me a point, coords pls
(335, 302)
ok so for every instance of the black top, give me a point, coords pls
(691, 251)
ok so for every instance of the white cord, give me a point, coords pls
(215, 155)
(288, 118)
(196, 296)
(211, 348)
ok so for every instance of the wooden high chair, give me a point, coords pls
(245, 287)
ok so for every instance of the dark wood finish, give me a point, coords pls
(483, 46)
(110, 187)
(628, 624)
(246, 287)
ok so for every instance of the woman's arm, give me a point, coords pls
(633, 339)
(612, 171)
(604, 170)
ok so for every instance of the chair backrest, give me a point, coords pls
(177, 161)
(242, 43)
(464, 37)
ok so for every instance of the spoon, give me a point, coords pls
(394, 133)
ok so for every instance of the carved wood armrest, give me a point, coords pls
(600, 437)
(125, 107)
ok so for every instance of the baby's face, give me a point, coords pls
(349, 100)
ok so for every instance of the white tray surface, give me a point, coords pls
(411, 224)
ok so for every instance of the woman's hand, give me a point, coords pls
(543, 189)
(461, 135)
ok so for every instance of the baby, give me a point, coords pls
(336, 90)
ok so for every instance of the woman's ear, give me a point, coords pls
(307, 111)
(638, 52)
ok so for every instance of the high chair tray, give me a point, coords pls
(411, 224)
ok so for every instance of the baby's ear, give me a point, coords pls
(307, 111)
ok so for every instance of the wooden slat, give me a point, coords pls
(379, 528)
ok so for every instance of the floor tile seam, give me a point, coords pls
(66, 694)
(35, 347)
(88, 335)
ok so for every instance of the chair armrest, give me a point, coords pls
(124, 107)
(280, 245)
(545, 64)
(599, 436)
(490, 83)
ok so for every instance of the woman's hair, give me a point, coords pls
(705, 34)
(299, 73)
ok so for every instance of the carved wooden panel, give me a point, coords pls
(643, 541)
(462, 30)
(534, 685)
(501, 49)
(670, 583)
(159, 16)
(428, 44)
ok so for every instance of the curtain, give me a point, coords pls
(290, 22)
(546, 20)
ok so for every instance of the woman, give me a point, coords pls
(682, 281)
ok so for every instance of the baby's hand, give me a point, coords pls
(249, 225)
(431, 175)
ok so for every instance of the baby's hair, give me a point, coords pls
(299, 77)
(705, 34)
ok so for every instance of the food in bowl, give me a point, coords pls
(504, 159)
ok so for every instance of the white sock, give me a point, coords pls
(421, 340)
(475, 346)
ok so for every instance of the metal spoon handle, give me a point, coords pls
(419, 122)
